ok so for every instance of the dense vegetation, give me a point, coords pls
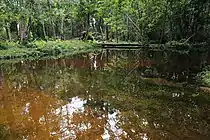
(43, 49)
(129, 20)
(159, 90)
(25, 23)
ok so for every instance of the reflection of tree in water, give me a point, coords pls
(143, 110)
(38, 116)
(30, 113)
(82, 122)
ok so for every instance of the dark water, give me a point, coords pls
(95, 97)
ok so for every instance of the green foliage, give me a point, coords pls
(204, 76)
(136, 20)
(6, 134)
(3, 133)
(40, 49)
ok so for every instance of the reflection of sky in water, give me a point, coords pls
(77, 106)
(26, 109)
(66, 112)
(112, 125)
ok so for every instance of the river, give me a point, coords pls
(98, 97)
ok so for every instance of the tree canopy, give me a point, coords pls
(128, 20)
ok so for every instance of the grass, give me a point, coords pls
(43, 49)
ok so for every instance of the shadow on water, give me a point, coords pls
(99, 96)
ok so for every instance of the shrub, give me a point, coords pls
(204, 76)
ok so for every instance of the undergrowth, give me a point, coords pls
(40, 49)
(204, 76)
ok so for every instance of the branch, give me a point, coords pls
(133, 22)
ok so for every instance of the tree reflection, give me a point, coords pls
(72, 99)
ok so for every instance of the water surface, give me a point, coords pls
(97, 97)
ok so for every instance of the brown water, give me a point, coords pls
(92, 97)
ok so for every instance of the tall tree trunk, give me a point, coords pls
(29, 26)
(62, 27)
(18, 30)
(44, 31)
(116, 35)
(72, 31)
(53, 29)
(51, 21)
(107, 32)
(22, 30)
(88, 22)
(7, 27)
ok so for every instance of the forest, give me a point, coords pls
(104, 69)
(155, 21)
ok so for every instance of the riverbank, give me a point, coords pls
(44, 49)
(12, 51)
